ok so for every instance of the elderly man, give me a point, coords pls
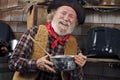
(55, 37)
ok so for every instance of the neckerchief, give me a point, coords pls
(56, 37)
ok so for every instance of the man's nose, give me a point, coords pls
(66, 17)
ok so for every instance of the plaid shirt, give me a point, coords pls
(20, 61)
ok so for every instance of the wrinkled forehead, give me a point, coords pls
(68, 9)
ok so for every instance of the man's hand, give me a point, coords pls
(44, 64)
(80, 59)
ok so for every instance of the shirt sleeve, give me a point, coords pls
(19, 60)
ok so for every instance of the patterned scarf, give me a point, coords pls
(56, 37)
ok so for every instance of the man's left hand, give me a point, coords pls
(80, 59)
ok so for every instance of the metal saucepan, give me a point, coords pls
(63, 62)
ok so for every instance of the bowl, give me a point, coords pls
(63, 62)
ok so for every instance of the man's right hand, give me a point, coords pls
(44, 64)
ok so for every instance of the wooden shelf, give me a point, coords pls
(104, 7)
(11, 8)
(102, 60)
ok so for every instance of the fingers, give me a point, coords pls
(80, 59)
(44, 64)
(48, 68)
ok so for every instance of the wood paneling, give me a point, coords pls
(14, 15)
(99, 17)
(31, 16)
(12, 12)
(3, 4)
(18, 28)
(17, 15)
(37, 16)
(12, 3)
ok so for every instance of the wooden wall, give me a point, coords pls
(12, 12)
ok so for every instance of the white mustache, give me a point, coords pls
(64, 22)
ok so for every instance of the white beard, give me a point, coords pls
(61, 29)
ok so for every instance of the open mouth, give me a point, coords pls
(64, 24)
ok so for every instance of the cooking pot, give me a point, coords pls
(103, 42)
(63, 62)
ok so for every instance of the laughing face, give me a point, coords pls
(64, 20)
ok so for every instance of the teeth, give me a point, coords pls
(65, 24)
